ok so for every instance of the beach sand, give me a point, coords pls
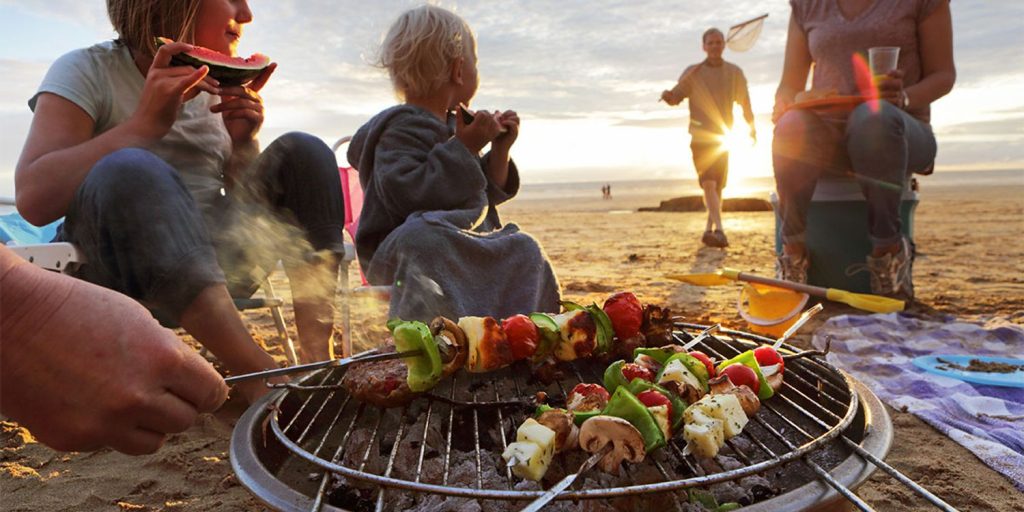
(971, 267)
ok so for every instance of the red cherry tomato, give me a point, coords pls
(741, 375)
(653, 398)
(522, 335)
(585, 390)
(626, 314)
(702, 357)
(767, 356)
(634, 371)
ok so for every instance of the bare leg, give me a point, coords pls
(713, 202)
(213, 320)
(313, 289)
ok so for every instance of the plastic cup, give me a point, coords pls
(883, 59)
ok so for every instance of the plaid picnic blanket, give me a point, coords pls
(987, 420)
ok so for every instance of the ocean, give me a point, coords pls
(630, 193)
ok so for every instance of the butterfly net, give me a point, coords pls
(742, 37)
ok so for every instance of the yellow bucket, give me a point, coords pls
(769, 310)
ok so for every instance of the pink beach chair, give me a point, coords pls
(352, 192)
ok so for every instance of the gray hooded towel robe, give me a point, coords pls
(430, 226)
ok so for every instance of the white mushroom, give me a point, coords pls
(627, 442)
(566, 431)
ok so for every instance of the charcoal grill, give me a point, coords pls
(310, 446)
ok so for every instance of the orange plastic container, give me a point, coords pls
(769, 310)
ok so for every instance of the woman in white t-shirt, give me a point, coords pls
(158, 173)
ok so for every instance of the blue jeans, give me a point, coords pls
(144, 235)
(878, 142)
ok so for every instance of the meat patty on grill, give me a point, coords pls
(380, 383)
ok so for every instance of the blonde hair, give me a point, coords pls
(139, 22)
(421, 45)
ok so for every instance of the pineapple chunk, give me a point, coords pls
(527, 460)
(728, 409)
(676, 371)
(660, 413)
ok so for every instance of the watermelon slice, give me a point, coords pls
(225, 69)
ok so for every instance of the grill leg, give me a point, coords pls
(282, 329)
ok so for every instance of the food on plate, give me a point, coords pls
(814, 94)
(225, 69)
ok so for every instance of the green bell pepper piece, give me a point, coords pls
(605, 332)
(691, 363)
(658, 354)
(747, 358)
(678, 404)
(625, 405)
(613, 377)
(577, 417)
(424, 369)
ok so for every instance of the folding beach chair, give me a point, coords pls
(33, 244)
(352, 192)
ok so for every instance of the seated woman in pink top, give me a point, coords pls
(885, 139)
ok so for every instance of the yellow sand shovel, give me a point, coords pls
(873, 303)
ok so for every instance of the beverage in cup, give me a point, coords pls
(882, 60)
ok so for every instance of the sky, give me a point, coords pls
(584, 75)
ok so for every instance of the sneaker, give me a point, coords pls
(791, 268)
(891, 275)
(722, 240)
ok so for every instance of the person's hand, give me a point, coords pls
(890, 88)
(509, 123)
(242, 107)
(666, 96)
(478, 133)
(781, 105)
(85, 367)
(166, 88)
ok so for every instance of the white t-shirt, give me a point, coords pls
(104, 81)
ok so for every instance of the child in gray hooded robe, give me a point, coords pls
(429, 224)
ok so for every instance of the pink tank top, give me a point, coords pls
(834, 39)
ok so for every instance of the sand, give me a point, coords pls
(971, 267)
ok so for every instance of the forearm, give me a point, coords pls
(931, 88)
(29, 295)
(242, 156)
(497, 167)
(46, 185)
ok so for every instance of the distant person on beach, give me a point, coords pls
(430, 222)
(881, 140)
(712, 85)
(158, 174)
(85, 367)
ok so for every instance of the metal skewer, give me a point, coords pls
(365, 357)
(700, 337)
(798, 324)
(564, 483)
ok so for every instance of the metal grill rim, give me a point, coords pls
(658, 487)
